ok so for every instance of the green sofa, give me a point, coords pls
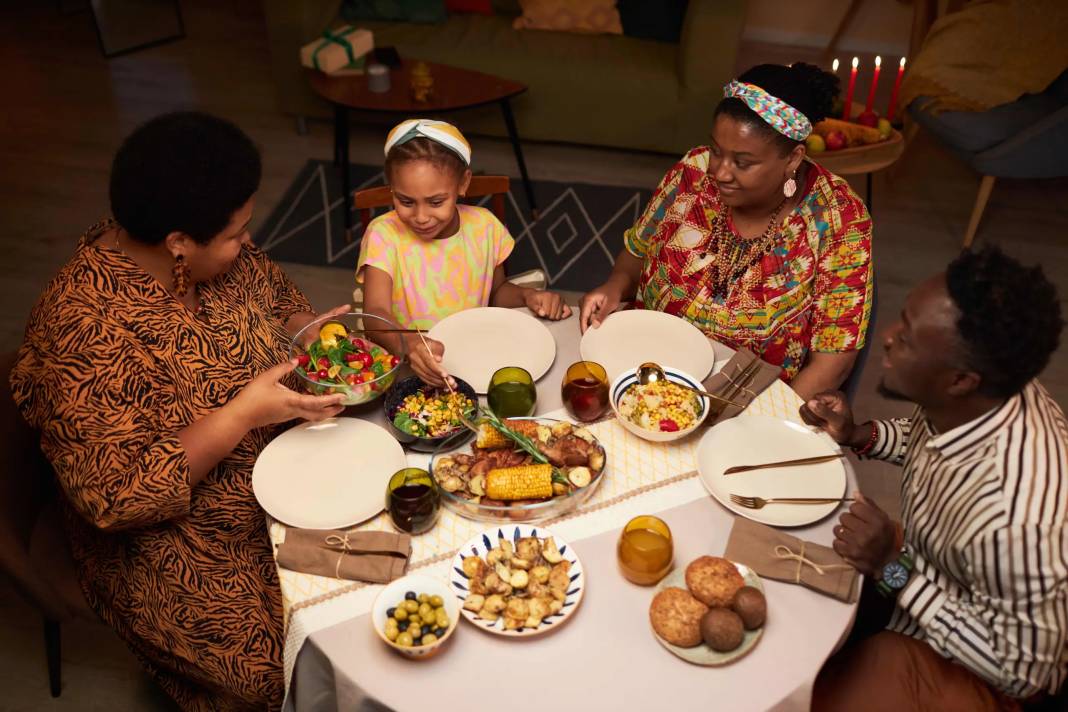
(604, 90)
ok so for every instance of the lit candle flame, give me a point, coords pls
(878, 60)
(856, 62)
(834, 65)
(902, 65)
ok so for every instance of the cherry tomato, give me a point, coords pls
(313, 377)
(667, 425)
(349, 358)
(393, 361)
(358, 342)
(303, 360)
(366, 359)
(353, 379)
(323, 362)
(322, 373)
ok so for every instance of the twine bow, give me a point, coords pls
(784, 552)
(335, 541)
(332, 38)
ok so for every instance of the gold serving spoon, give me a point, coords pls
(650, 372)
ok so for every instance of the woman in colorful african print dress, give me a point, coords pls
(753, 243)
(153, 366)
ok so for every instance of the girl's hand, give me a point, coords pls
(596, 306)
(265, 401)
(427, 364)
(301, 319)
(547, 305)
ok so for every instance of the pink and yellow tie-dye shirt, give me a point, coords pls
(435, 278)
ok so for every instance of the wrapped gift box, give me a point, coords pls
(337, 49)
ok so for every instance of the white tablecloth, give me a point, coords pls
(607, 647)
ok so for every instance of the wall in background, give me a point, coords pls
(879, 26)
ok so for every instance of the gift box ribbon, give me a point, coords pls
(331, 38)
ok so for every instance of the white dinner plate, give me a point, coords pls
(627, 339)
(327, 475)
(479, 341)
(752, 440)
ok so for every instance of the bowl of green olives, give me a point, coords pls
(415, 615)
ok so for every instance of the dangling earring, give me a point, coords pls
(790, 186)
(180, 272)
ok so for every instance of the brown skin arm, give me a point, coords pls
(264, 401)
(597, 304)
(823, 372)
(546, 304)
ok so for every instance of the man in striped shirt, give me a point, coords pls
(977, 570)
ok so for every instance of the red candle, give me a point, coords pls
(848, 105)
(874, 82)
(893, 95)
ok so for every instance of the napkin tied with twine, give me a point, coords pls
(741, 380)
(376, 557)
(776, 555)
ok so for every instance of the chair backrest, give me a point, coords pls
(481, 186)
(26, 488)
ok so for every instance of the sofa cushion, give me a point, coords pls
(427, 11)
(580, 16)
(660, 21)
(484, 7)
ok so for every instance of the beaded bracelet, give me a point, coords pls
(870, 445)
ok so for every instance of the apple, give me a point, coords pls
(884, 128)
(815, 144)
(835, 140)
(868, 118)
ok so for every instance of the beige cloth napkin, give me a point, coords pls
(377, 557)
(776, 555)
(720, 383)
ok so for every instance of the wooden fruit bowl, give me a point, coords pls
(862, 159)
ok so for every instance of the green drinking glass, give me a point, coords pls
(511, 393)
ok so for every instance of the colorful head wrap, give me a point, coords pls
(779, 115)
(437, 131)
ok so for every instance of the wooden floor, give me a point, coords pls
(66, 109)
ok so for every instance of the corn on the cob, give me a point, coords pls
(489, 438)
(523, 482)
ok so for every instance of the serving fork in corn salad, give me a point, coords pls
(432, 414)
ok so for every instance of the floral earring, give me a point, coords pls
(180, 273)
(790, 186)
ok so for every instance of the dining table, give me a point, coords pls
(604, 656)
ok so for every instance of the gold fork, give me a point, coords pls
(760, 502)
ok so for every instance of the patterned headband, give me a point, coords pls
(437, 131)
(779, 115)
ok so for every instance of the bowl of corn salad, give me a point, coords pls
(423, 417)
(662, 411)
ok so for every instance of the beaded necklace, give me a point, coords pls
(734, 255)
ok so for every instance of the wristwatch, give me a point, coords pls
(895, 575)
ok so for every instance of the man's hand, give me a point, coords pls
(865, 537)
(830, 412)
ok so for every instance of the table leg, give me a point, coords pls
(867, 181)
(341, 154)
(513, 136)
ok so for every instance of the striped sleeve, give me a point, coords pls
(891, 440)
(1010, 629)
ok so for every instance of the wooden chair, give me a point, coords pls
(33, 549)
(481, 186)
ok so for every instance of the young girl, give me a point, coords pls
(430, 256)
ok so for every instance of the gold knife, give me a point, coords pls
(736, 385)
(783, 463)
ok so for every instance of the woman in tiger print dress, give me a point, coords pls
(153, 367)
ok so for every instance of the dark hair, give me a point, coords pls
(186, 172)
(421, 148)
(805, 87)
(1010, 318)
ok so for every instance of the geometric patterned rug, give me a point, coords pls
(575, 239)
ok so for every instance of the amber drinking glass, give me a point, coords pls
(413, 500)
(645, 550)
(511, 393)
(585, 390)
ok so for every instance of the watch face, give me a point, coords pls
(895, 575)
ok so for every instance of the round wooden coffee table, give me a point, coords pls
(863, 160)
(454, 89)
